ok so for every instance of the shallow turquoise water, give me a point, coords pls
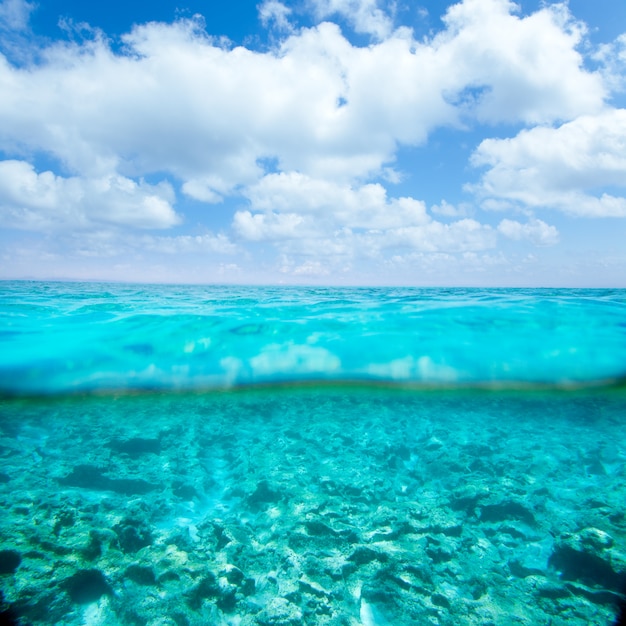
(255, 456)
(58, 337)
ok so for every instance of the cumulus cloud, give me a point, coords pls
(365, 16)
(513, 68)
(268, 226)
(44, 201)
(307, 216)
(303, 131)
(460, 236)
(360, 207)
(536, 231)
(273, 12)
(176, 101)
(612, 57)
(449, 210)
(15, 14)
(563, 168)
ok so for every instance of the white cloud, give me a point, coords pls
(206, 189)
(365, 16)
(184, 244)
(535, 231)
(360, 207)
(517, 68)
(15, 14)
(564, 168)
(612, 57)
(326, 116)
(317, 218)
(449, 210)
(446, 263)
(109, 242)
(44, 201)
(311, 268)
(275, 12)
(463, 235)
(176, 101)
(268, 226)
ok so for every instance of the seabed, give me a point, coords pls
(330, 505)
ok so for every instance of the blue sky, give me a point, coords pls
(314, 141)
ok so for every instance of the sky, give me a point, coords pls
(324, 142)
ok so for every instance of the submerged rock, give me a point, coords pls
(587, 557)
(88, 476)
(86, 586)
(261, 523)
(140, 574)
(263, 494)
(279, 612)
(136, 446)
(9, 561)
(205, 589)
(507, 510)
(363, 555)
(133, 535)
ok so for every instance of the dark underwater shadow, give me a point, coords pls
(620, 620)
(8, 617)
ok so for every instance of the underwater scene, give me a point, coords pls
(256, 456)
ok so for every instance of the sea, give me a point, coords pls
(278, 456)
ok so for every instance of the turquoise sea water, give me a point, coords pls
(60, 338)
(258, 456)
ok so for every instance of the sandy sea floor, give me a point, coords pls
(314, 505)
